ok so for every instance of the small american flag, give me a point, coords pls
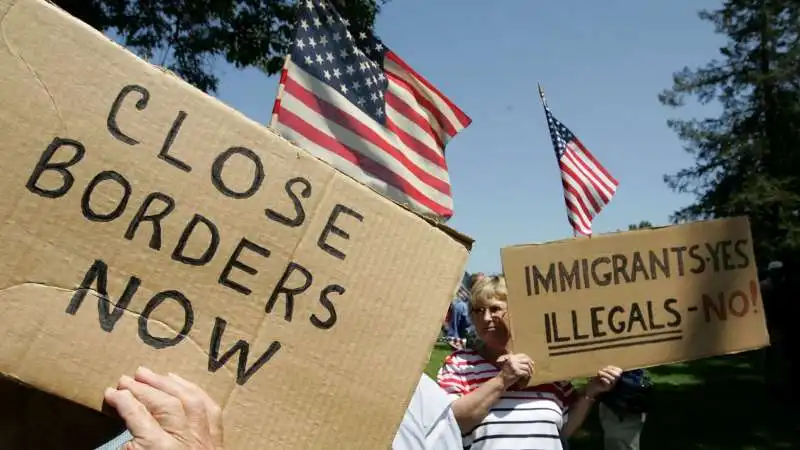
(350, 101)
(588, 186)
(463, 289)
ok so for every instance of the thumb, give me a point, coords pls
(503, 358)
(138, 419)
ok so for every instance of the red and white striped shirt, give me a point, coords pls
(528, 418)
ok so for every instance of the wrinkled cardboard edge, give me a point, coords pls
(535, 380)
(9, 378)
(610, 234)
(459, 237)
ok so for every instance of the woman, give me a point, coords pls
(491, 403)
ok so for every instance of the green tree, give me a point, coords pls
(643, 224)
(747, 159)
(185, 36)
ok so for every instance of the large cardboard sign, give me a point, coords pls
(635, 299)
(143, 222)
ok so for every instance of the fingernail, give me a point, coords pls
(123, 380)
(175, 376)
(109, 391)
(144, 371)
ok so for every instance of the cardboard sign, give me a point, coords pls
(635, 299)
(143, 222)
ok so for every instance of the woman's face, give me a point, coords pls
(489, 319)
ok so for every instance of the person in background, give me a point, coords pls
(494, 407)
(458, 325)
(429, 423)
(623, 410)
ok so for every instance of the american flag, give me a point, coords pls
(352, 102)
(588, 186)
(463, 289)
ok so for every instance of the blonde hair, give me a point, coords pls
(488, 287)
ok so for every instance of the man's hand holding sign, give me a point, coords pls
(144, 222)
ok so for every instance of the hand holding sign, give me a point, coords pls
(638, 298)
(604, 381)
(166, 413)
(515, 369)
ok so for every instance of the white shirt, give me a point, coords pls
(429, 423)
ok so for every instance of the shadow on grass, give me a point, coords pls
(712, 404)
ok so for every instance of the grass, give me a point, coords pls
(718, 403)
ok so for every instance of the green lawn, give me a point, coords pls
(713, 404)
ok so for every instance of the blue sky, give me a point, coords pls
(602, 65)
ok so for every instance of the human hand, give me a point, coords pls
(166, 413)
(515, 369)
(604, 381)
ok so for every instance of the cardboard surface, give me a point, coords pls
(302, 301)
(635, 299)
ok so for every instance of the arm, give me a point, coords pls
(582, 402)
(470, 409)
(472, 406)
(578, 411)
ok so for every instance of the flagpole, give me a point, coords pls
(544, 105)
(541, 95)
(281, 86)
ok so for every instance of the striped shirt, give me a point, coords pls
(528, 418)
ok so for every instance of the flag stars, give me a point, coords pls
(349, 62)
(310, 5)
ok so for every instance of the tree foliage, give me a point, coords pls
(747, 159)
(643, 224)
(186, 36)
